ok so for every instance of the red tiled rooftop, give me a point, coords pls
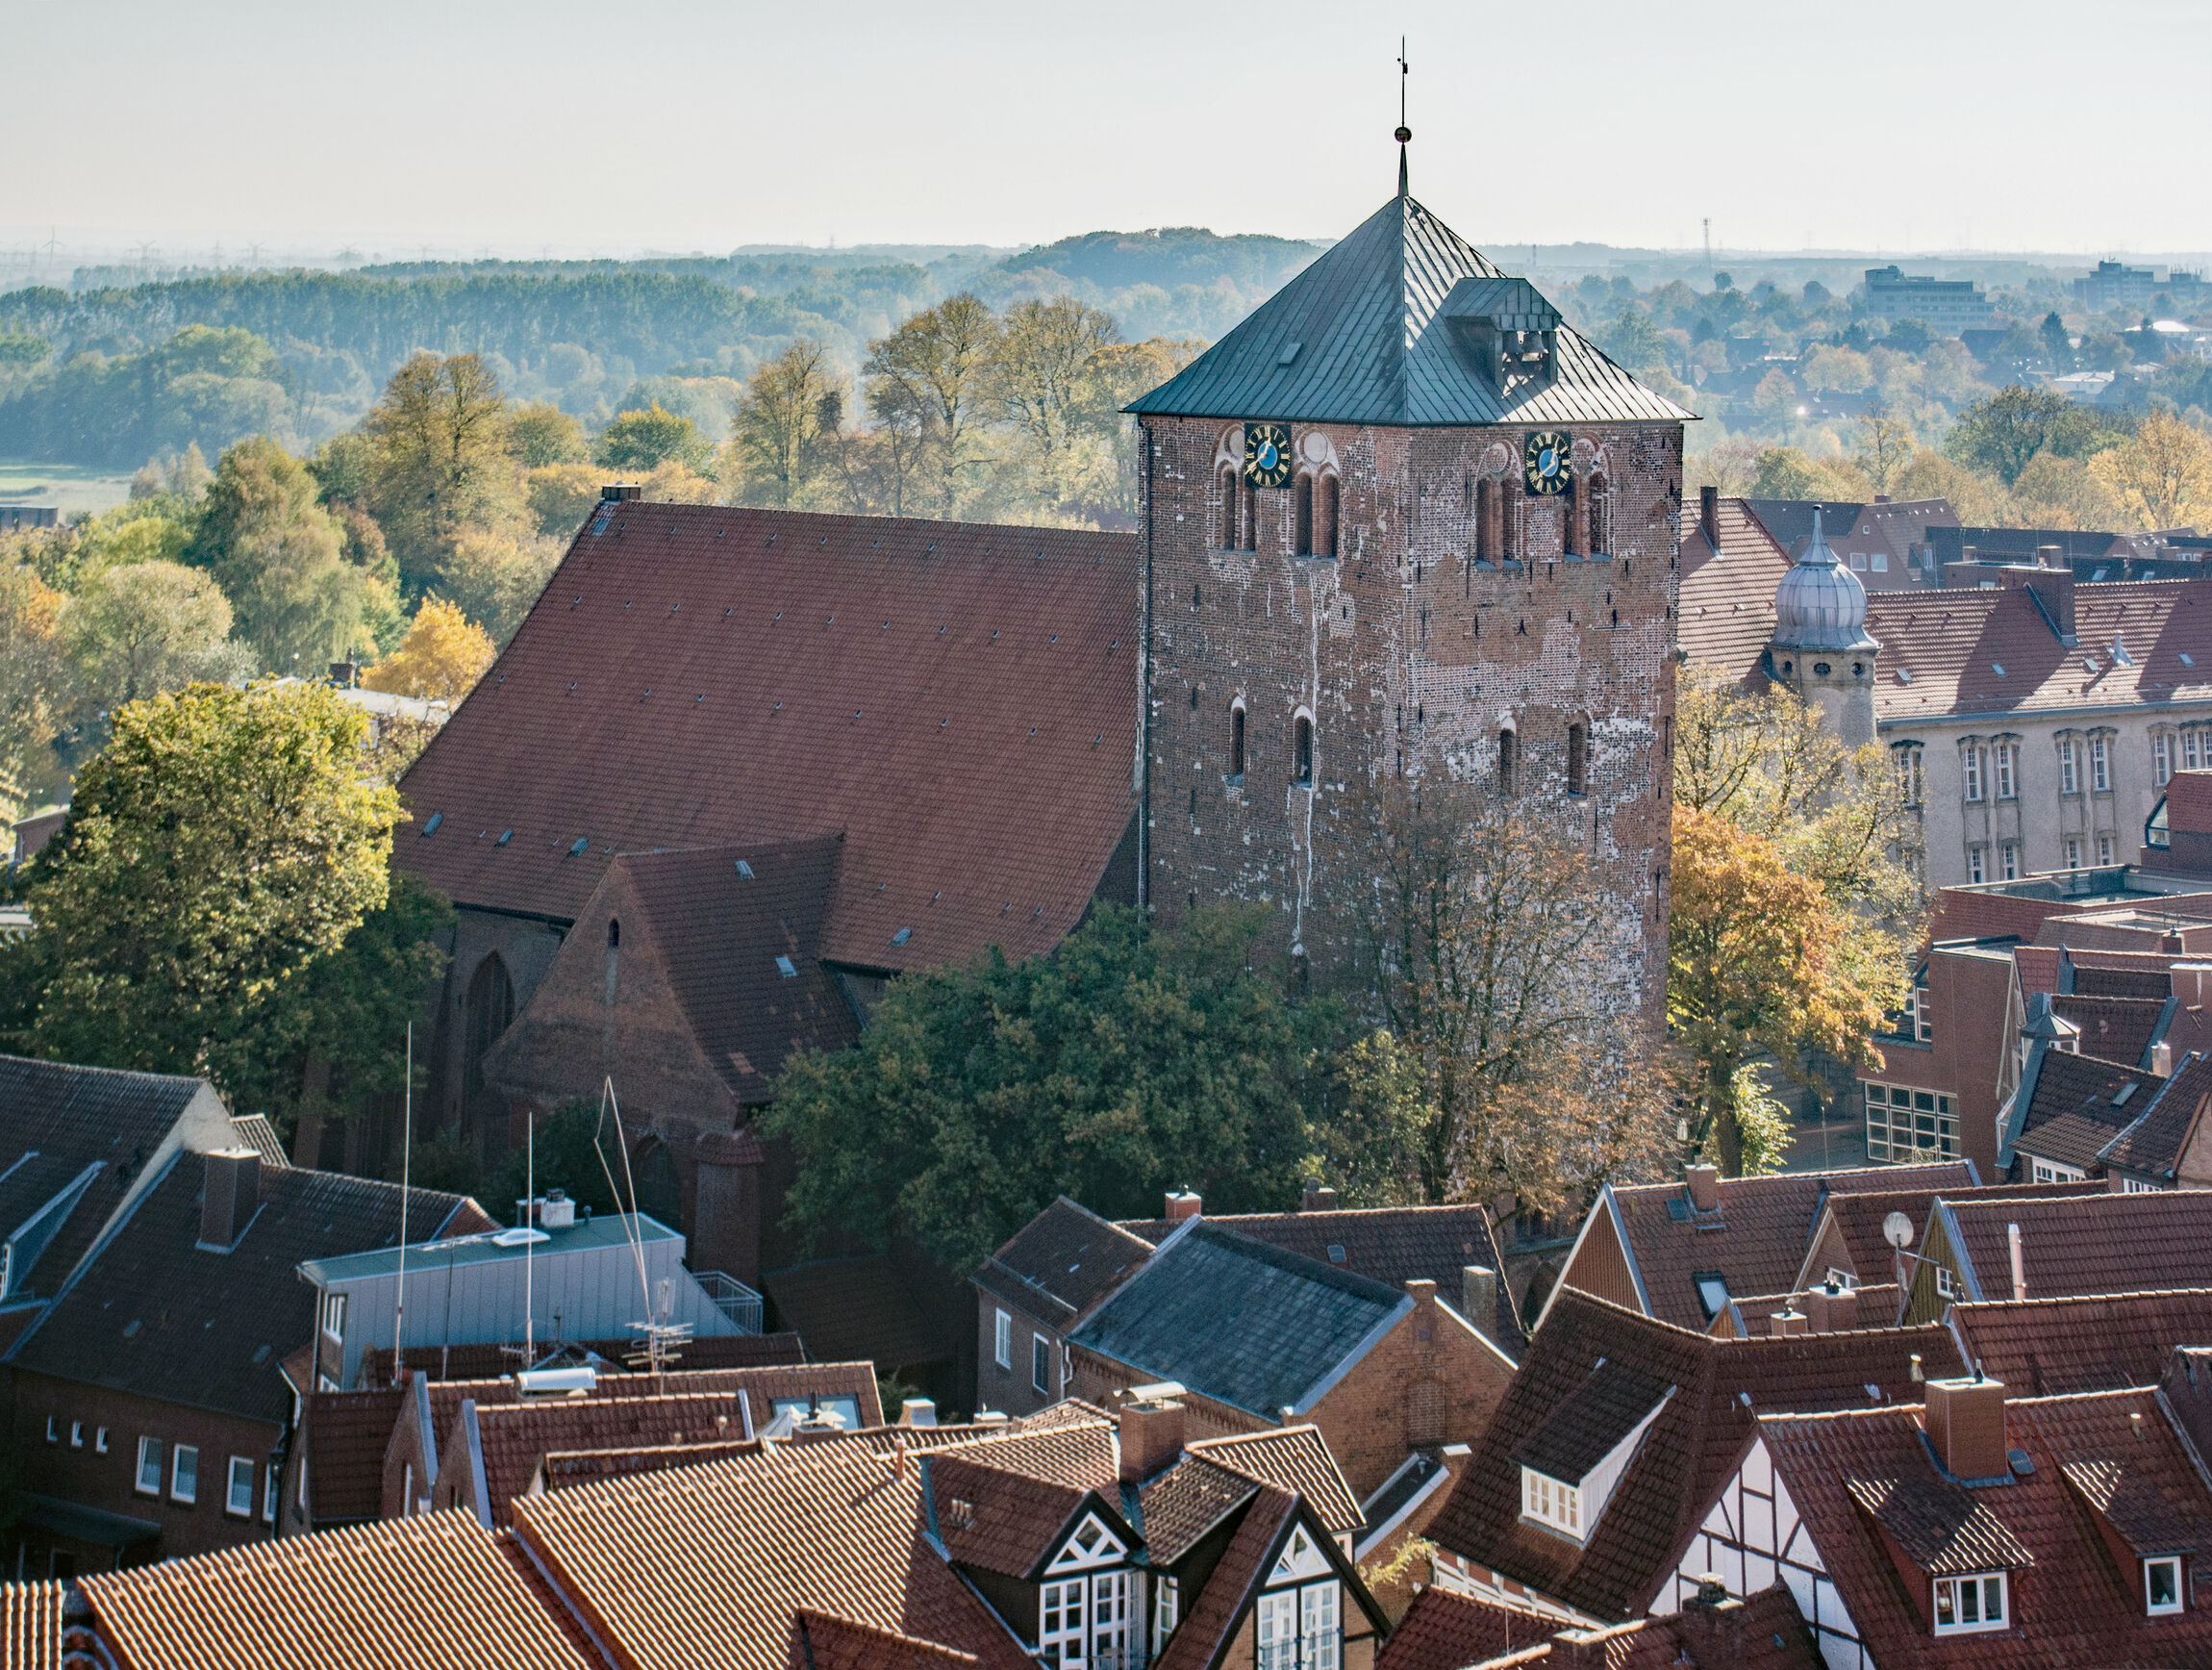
(1726, 612)
(2045, 1347)
(2087, 1244)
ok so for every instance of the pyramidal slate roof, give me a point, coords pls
(1362, 336)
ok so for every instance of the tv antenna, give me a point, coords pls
(405, 1172)
(659, 1339)
(1404, 135)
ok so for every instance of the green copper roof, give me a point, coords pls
(1363, 336)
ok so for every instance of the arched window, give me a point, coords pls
(1237, 744)
(1578, 758)
(614, 931)
(1508, 528)
(1598, 512)
(1228, 510)
(1508, 746)
(1303, 754)
(1570, 521)
(1485, 514)
(1305, 516)
(488, 1009)
(1329, 501)
(1251, 502)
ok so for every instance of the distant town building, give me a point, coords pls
(1945, 305)
(2115, 284)
(16, 518)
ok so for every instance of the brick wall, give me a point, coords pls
(1012, 1390)
(72, 1467)
(1407, 656)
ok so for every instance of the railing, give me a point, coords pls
(732, 1298)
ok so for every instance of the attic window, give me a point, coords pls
(1678, 1209)
(787, 968)
(744, 870)
(1336, 1253)
(1998, 668)
(1904, 675)
(2188, 660)
(582, 846)
(505, 836)
(2125, 1091)
(1712, 1293)
(903, 936)
(431, 828)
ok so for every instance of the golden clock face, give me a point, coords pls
(1267, 454)
(1546, 462)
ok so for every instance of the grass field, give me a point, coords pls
(70, 487)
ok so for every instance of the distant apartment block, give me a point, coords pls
(1948, 304)
(2115, 284)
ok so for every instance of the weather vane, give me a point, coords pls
(1405, 132)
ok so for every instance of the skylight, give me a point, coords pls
(2187, 659)
(431, 827)
(744, 870)
(1998, 668)
(1904, 675)
(2120, 655)
(787, 968)
(582, 846)
(903, 936)
(1712, 1292)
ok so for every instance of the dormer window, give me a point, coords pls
(1506, 333)
(1712, 1293)
(1092, 1545)
(1298, 1623)
(1965, 1606)
(1549, 1502)
(1571, 1464)
(2162, 1585)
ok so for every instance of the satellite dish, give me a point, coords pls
(1897, 1230)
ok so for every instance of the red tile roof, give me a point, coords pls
(1857, 1220)
(2152, 1145)
(403, 1593)
(1448, 1631)
(2113, 1029)
(1690, 1449)
(1726, 613)
(2084, 1244)
(957, 698)
(1199, 1641)
(1757, 1240)
(1294, 1458)
(1952, 642)
(2044, 1347)
(2073, 1606)
(1003, 1519)
(515, 1436)
(31, 1626)
(2072, 1112)
(820, 1641)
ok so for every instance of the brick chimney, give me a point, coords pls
(1151, 1438)
(1788, 1322)
(1704, 1187)
(2053, 590)
(1478, 1299)
(1317, 1199)
(1711, 1624)
(1183, 1205)
(1831, 1309)
(1709, 514)
(1965, 1424)
(617, 493)
(230, 1197)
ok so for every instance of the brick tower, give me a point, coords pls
(1403, 519)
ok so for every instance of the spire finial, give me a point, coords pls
(1405, 132)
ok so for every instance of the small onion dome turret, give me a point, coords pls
(1821, 604)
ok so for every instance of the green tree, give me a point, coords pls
(2057, 344)
(1123, 1064)
(1775, 401)
(2002, 433)
(940, 365)
(1883, 445)
(221, 845)
(144, 629)
(642, 440)
(788, 407)
(35, 688)
(1634, 342)
(440, 460)
(1050, 394)
(544, 434)
(280, 558)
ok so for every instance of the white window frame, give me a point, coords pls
(1300, 1627)
(2161, 759)
(100, 1441)
(1551, 1503)
(2073, 855)
(1974, 1593)
(1976, 864)
(1002, 1339)
(272, 1487)
(333, 1317)
(238, 1503)
(1064, 1620)
(1041, 1363)
(1844, 1280)
(1911, 772)
(2008, 861)
(2007, 782)
(149, 1451)
(2069, 767)
(179, 1490)
(2179, 1601)
(1111, 1622)
(2100, 765)
(2052, 1172)
(1970, 758)
(2103, 851)
(2188, 750)
(1166, 1610)
(2137, 1186)
(1944, 1285)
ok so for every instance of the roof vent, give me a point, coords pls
(1289, 353)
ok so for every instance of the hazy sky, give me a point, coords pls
(1902, 124)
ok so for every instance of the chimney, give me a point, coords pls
(230, 1197)
(615, 492)
(1704, 1187)
(2050, 557)
(2162, 1059)
(1183, 1205)
(917, 1412)
(2019, 1269)
(1787, 1323)
(1831, 1309)
(345, 674)
(1478, 1299)
(1151, 1438)
(1709, 514)
(1965, 1425)
(1711, 1624)
(1420, 1290)
(2053, 589)
(556, 1211)
(1316, 1199)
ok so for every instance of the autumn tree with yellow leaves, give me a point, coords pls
(442, 657)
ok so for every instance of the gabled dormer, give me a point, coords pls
(1506, 332)
(1570, 1465)
(1090, 1546)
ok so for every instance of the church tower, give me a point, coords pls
(1404, 520)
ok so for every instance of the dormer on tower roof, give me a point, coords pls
(1406, 324)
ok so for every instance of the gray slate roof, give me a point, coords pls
(1372, 344)
(1239, 1321)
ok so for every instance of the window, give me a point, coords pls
(100, 1442)
(76, 1435)
(2007, 785)
(52, 1428)
(1485, 514)
(1040, 1362)
(185, 1473)
(1303, 762)
(1944, 1285)
(240, 1497)
(1305, 516)
(1110, 1619)
(2008, 861)
(270, 1493)
(2161, 758)
(1299, 1629)
(2104, 849)
(2162, 1585)
(1965, 1603)
(2100, 765)
(1974, 865)
(2052, 1172)
(1920, 1019)
(2069, 767)
(2074, 856)
(149, 1467)
(1844, 1280)
(1712, 1292)
(1060, 1636)
(1970, 757)
(1571, 507)
(1909, 777)
(1600, 507)
(334, 1309)
(1228, 510)
(2136, 1186)
(1859, 559)
(1904, 1124)
(1328, 516)
(1248, 497)
(1506, 748)
(1578, 758)
(1002, 1340)
(1237, 744)
(1882, 562)
(1550, 1503)
(1166, 1610)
